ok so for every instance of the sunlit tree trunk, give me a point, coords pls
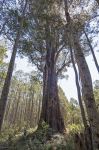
(87, 89)
(39, 110)
(87, 92)
(92, 51)
(6, 86)
(6, 116)
(16, 109)
(88, 138)
(32, 109)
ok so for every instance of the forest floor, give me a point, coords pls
(40, 139)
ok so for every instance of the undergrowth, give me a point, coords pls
(43, 138)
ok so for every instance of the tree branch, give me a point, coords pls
(63, 66)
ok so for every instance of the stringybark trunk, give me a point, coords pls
(50, 112)
(50, 105)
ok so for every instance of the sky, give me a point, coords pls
(68, 85)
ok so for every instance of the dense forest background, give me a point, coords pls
(35, 113)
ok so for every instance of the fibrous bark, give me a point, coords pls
(50, 105)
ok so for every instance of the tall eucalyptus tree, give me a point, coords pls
(5, 90)
(45, 49)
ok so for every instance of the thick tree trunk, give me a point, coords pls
(5, 91)
(50, 105)
(92, 51)
(50, 112)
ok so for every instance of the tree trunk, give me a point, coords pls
(32, 109)
(92, 51)
(50, 105)
(87, 89)
(87, 92)
(39, 110)
(7, 82)
(88, 138)
(5, 91)
(78, 90)
(16, 110)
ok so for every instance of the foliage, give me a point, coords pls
(42, 139)
(2, 54)
(75, 128)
